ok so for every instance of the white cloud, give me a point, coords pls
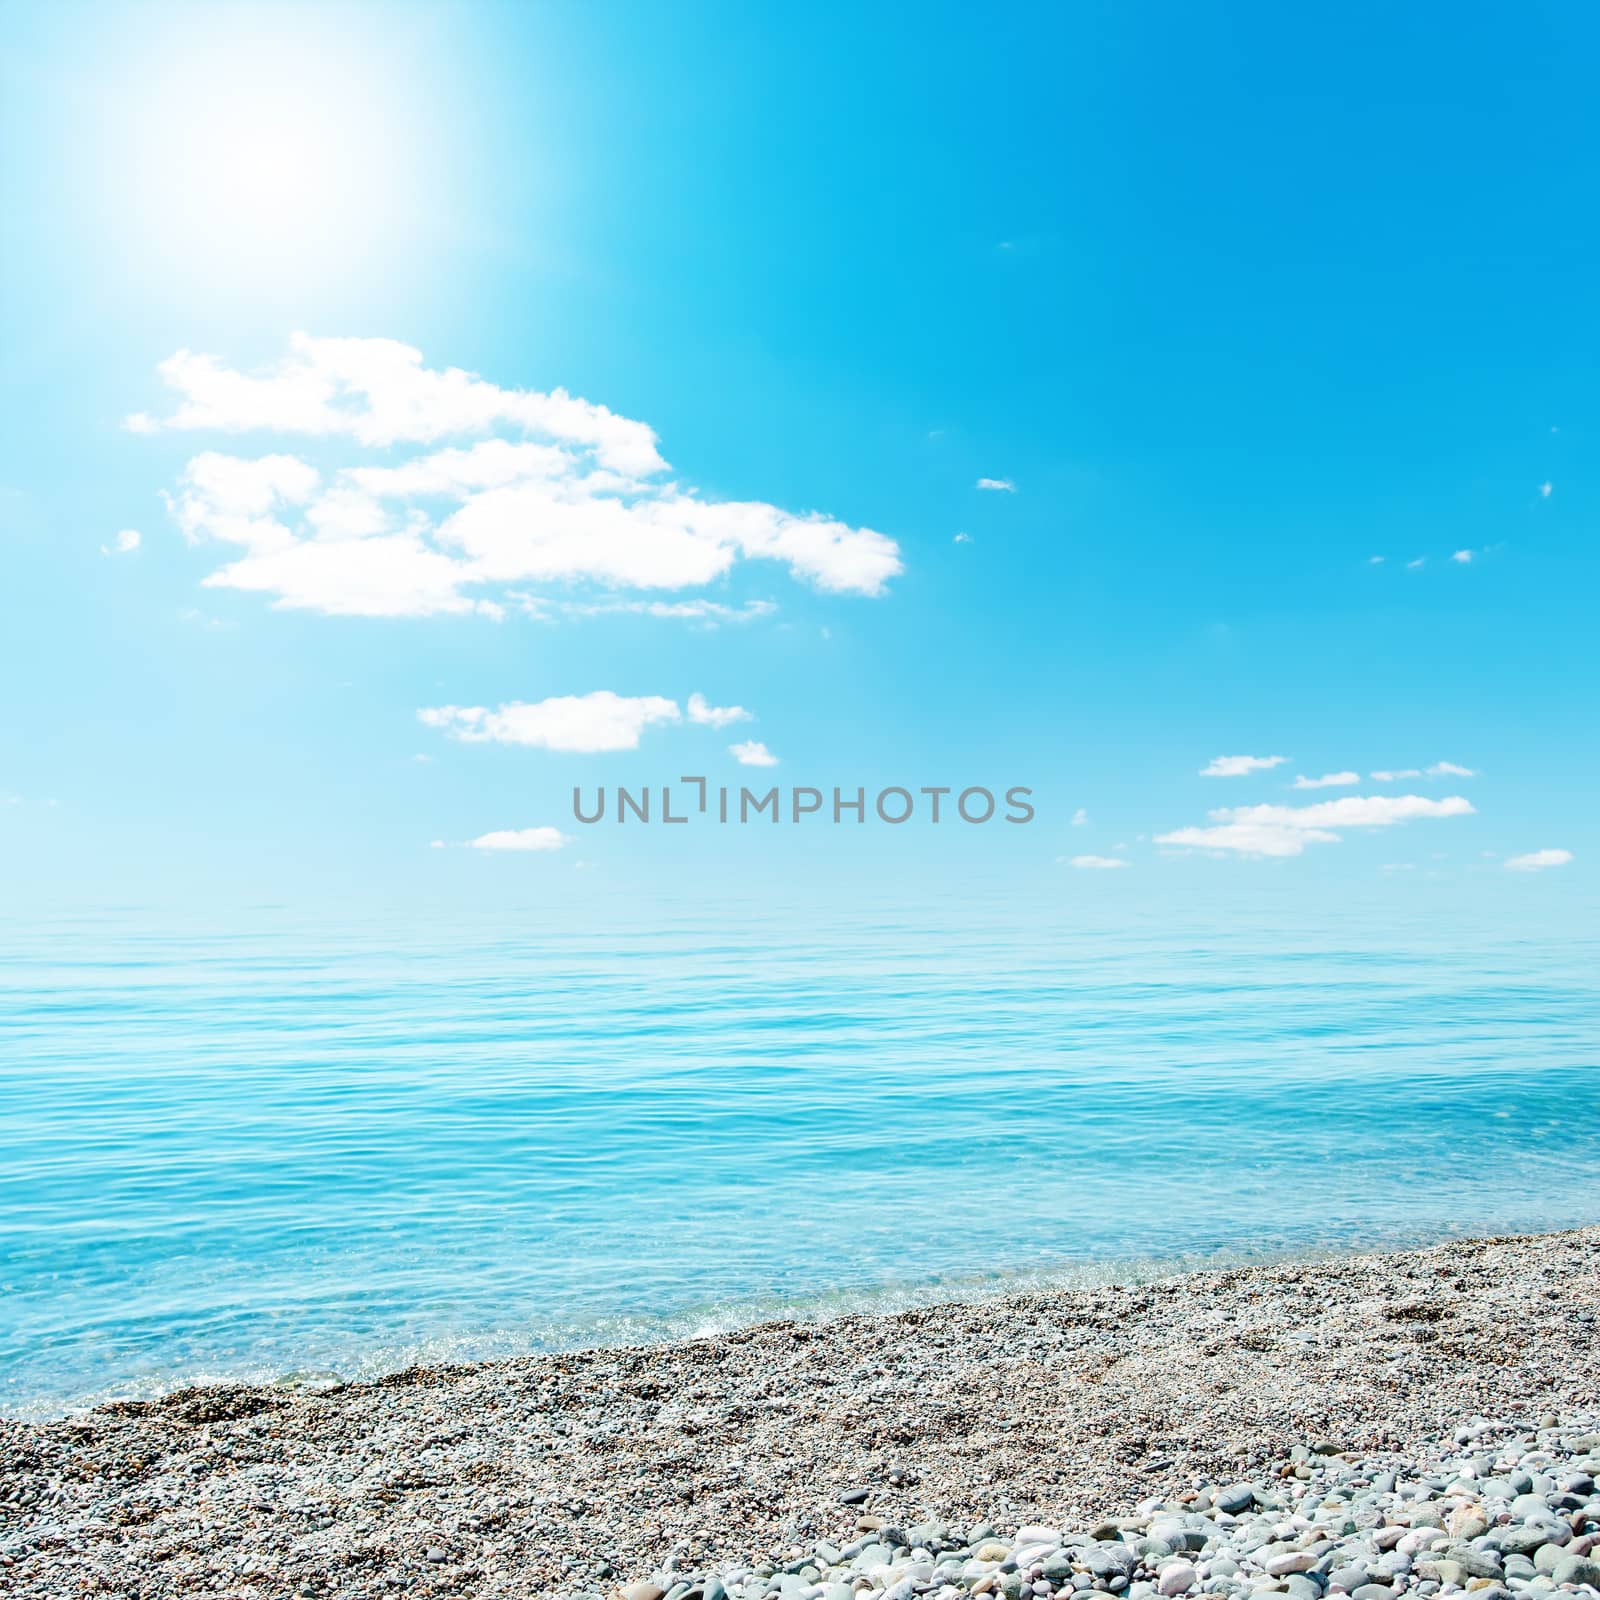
(1463, 556)
(398, 576)
(1412, 566)
(1274, 830)
(752, 753)
(1440, 769)
(1248, 838)
(1546, 489)
(1002, 485)
(1097, 863)
(709, 613)
(1538, 860)
(236, 500)
(1329, 780)
(1353, 811)
(585, 723)
(576, 495)
(714, 716)
(520, 839)
(962, 538)
(378, 392)
(1080, 818)
(124, 544)
(1375, 561)
(1240, 766)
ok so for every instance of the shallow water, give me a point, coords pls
(337, 1147)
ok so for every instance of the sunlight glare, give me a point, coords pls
(252, 155)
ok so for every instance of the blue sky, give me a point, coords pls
(1235, 299)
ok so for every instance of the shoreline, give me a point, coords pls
(577, 1472)
(869, 1300)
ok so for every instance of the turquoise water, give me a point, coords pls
(338, 1147)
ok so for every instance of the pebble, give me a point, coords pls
(1495, 1527)
(1177, 1577)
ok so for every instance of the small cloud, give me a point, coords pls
(1003, 485)
(1440, 769)
(1375, 561)
(1097, 863)
(962, 538)
(1463, 556)
(1329, 780)
(199, 619)
(436, 844)
(752, 753)
(1080, 818)
(707, 613)
(583, 723)
(125, 543)
(1273, 830)
(1413, 566)
(520, 839)
(1399, 866)
(422, 760)
(1240, 766)
(714, 716)
(1538, 860)
(1546, 489)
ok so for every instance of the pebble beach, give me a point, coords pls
(1417, 1423)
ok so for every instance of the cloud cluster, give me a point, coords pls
(1097, 863)
(377, 392)
(1275, 830)
(550, 490)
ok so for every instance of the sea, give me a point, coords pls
(281, 1147)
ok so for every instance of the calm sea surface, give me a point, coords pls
(338, 1147)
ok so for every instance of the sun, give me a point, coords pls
(268, 143)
